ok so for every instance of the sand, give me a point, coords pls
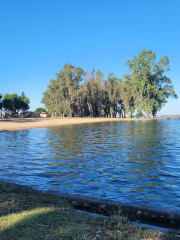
(27, 123)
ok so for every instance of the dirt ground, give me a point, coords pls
(26, 123)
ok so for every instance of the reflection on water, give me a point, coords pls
(136, 161)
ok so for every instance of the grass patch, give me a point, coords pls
(27, 214)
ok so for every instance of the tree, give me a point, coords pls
(81, 107)
(145, 90)
(1, 103)
(24, 102)
(95, 93)
(61, 95)
(127, 95)
(149, 87)
(72, 77)
(15, 103)
(112, 86)
(40, 109)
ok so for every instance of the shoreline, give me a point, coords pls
(14, 124)
(28, 123)
(156, 216)
(38, 215)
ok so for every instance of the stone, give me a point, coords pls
(154, 216)
(102, 205)
(86, 205)
(97, 235)
(139, 212)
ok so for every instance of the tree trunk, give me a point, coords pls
(111, 112)
(129, 115)
(90, 109)
(147, 115)
(70, 112)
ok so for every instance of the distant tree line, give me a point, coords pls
(12, 104)
(39, 110)
(144, 91)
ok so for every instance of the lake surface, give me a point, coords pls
(133, 161)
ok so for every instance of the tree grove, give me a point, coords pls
(145, 90)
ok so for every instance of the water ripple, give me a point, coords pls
(136, 161)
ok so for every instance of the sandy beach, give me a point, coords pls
(27, 123)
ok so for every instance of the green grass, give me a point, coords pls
(27, 214)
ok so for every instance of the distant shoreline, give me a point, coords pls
(28, 123)
(171, 116)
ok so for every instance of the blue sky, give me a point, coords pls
(39, 36)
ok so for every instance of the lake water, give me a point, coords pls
(133, 161)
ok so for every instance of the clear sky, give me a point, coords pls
(37, 37)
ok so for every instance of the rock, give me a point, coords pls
(86, 205)
(102, 205)
(154, 216)
(139, 212)
(99, 236)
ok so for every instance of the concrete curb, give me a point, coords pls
(142, 213)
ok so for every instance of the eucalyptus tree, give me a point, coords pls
(95, 93)
(100, 94)
(53, 98)
(61, 94)
(113, 88)
(71, 76)
(81, 107)
(150, 88)
(127, 95)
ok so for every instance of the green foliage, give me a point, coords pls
(96, 97)
(126, 95)
(61, 94)
(113, 89)
(40, 109)
(94, 93)
(15, 103)
(148, 85)
(144, 91)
